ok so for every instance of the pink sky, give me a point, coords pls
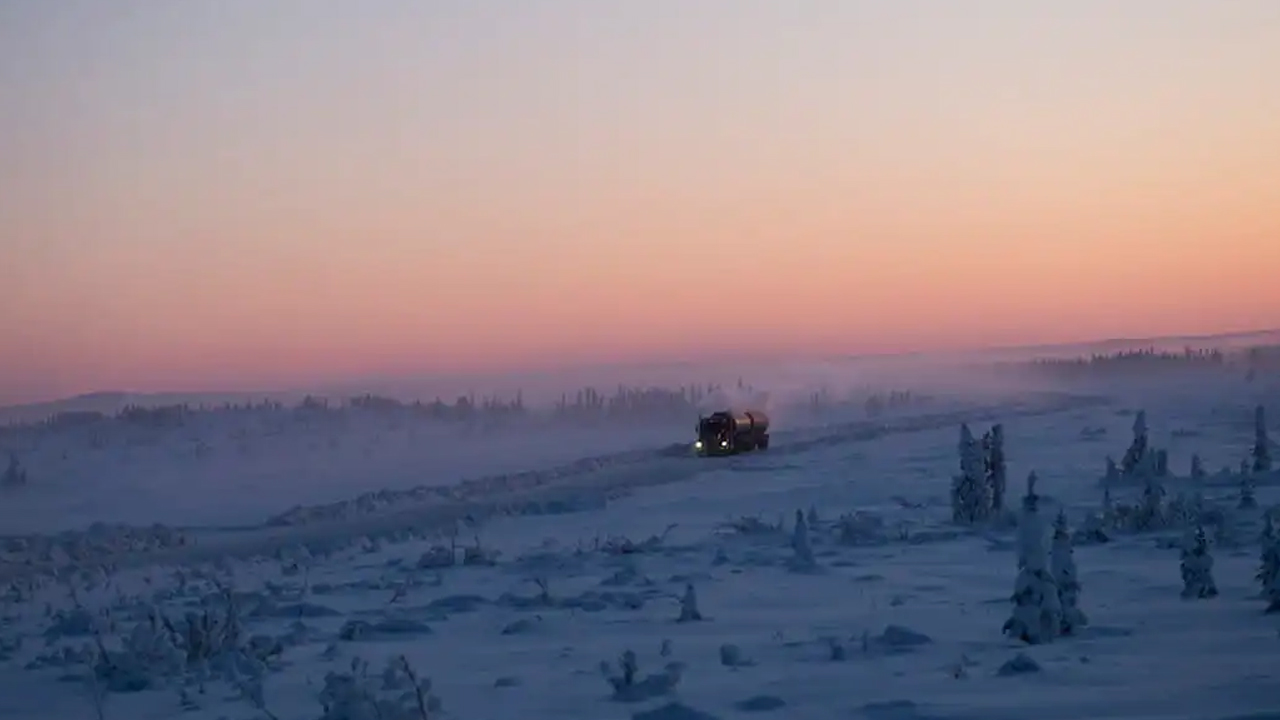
(278, 194)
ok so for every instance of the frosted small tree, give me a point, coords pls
(1112, 478)
(1062, 565)
(996, 467)
(1197, 568)
(689, 611)
(1261, 443)
(1197, 468)
(1269, 571)
(14, 474)
(969, 498)
(1037, 614)
(800, 543)
(1135, 458)
(1151, 511)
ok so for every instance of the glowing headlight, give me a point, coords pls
(724, 443)
(698, 445)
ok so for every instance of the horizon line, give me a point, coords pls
(623, 365)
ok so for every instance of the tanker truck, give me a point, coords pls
(729, 432)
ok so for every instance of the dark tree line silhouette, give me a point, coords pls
(584, 406)
(1129, 362)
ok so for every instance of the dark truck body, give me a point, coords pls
(729, 432)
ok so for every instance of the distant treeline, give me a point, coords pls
(584, 406)
(1250, 361)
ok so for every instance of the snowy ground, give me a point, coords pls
(900, 620)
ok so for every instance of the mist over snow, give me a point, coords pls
(317, 558)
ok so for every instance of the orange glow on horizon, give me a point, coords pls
(440, 192)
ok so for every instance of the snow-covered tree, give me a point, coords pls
(1037, 614)
(1247, 499)
(689, 611)
(1197, 468)
(1135, 458)
(1062, 565)
(1113, 473)
(996, 467)
(1150, 512)
(14, 474)
(969, 498)
(1269, 571)
(1261, 443)
(1197, 567)
(800, 543)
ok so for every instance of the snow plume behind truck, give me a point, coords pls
(729, 432)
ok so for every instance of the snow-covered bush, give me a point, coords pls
(861, 528)
(1062, 566)
(628, 687)
(1037, 614)
(970, 499)
(398, 693)
(1197, 567)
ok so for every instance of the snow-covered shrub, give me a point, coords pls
(861, 528)
(629, 688)
(1197, 568)
(970, 499)
(731, 656)
(1037, 615)
(750, 525)
(437, 557)
(1062, 565)
(1261, 443)
(479, 555)
(1095, 530)
(398, 693)
(1185, 510)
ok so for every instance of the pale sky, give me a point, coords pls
(200, 194)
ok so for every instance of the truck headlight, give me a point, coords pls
(698, 445)
(724, 443)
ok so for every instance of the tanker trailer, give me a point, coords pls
(729, 432)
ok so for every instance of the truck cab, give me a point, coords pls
(728, 433)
